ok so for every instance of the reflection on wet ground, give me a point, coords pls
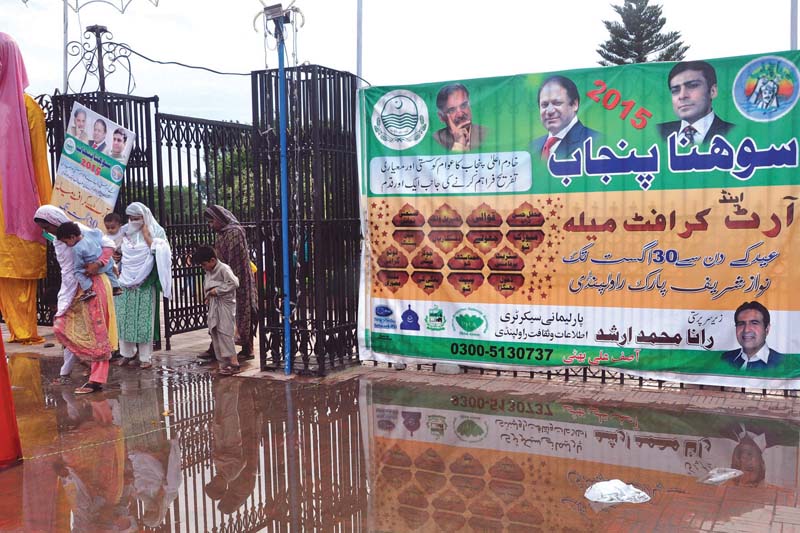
(179, 449)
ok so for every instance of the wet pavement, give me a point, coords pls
(178, 448)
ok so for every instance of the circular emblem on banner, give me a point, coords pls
(766, 88)
(69, 146)
(470, 321)
(117, 173)
(400, 119)
(470, 428)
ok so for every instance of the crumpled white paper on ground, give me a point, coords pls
(615, 491)
(715, 476)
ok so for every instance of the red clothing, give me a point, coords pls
(10, 448)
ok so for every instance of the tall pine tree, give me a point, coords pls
(639, 39)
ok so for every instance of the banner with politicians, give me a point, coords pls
(637, 218)
(92, 166)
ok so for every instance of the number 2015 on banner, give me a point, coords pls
(95, 169)
(612, 98)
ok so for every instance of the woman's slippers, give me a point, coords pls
(132, 361)
(88, 388)
(229, 370)
(125, 361)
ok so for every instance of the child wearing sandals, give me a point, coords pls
(86, 249)
(219, 287)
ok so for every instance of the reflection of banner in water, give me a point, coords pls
(473, 250)
(685, 443)
(689, 455)
(88, 178)
(449, 467)
(436, 485)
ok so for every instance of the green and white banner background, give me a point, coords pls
(628, 248)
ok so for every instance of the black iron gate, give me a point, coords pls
(133, 112)
(203, 162)
(200, 163)
(180, 165)
(324, 235)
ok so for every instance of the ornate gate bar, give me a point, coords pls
(200, 163)
(180, 165)
(324, 231)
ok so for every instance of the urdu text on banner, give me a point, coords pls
(609, 217)
(92, 166)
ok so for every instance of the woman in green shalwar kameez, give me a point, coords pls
(145, 268)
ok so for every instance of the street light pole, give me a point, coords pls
(287, 313)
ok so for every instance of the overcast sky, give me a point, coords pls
(412, 41)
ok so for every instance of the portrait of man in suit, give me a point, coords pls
(758, 442)
(693, 86)
(119, 141)
(752, 328)
(453, 108)
(558, 109)
(99, 134)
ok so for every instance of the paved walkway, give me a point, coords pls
(183, 399)
(185, 348)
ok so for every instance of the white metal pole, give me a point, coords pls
(793, 24)
(358, 41)
(66, 40)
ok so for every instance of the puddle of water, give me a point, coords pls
(189, 451)
(446, 460)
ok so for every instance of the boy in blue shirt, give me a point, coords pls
(86, 249)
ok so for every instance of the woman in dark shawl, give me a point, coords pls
(231, 247)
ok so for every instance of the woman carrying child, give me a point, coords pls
(88, 329)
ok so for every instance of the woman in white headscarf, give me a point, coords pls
(146, 265)
(87, 329)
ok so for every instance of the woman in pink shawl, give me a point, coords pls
(87, 329)
(25, 185)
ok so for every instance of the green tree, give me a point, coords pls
(181, 201)
(638, 39)
(230, 181)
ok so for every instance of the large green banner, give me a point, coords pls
(636, 217)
